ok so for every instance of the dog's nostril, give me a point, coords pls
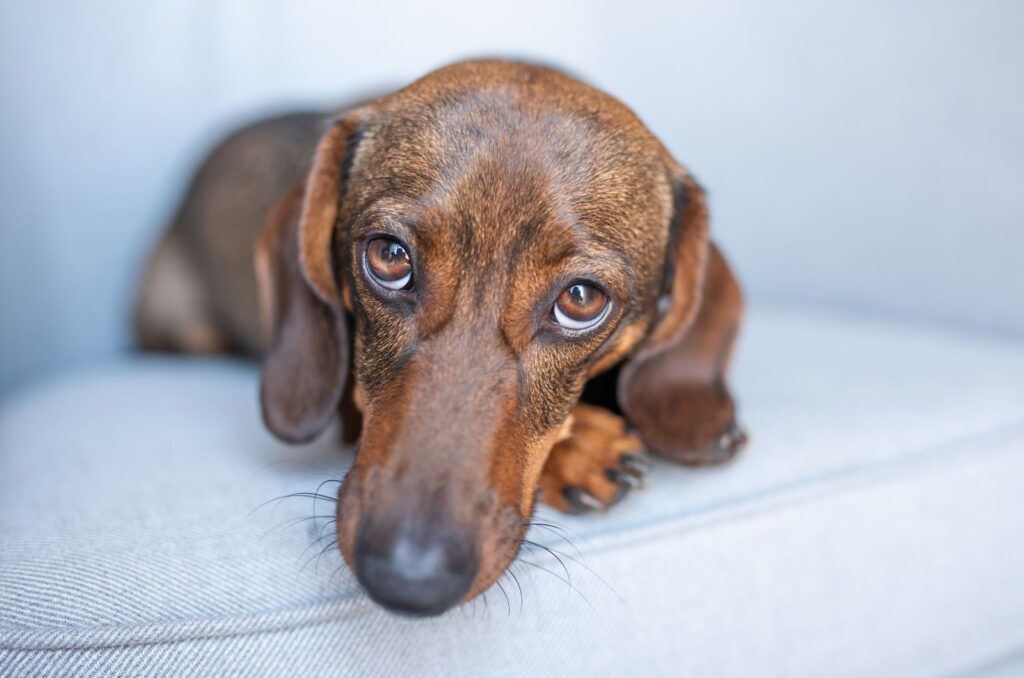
(416, 577)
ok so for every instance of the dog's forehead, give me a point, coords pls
(508, 146)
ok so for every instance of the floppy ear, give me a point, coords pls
(672, 388)
(684, 267)
(307, 357)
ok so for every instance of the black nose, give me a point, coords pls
(415, 574)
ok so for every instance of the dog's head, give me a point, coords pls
(481, 244)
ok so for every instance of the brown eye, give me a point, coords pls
(388, 263)
(580, 307)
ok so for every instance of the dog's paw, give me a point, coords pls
(596, 466)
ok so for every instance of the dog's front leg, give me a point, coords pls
(595, 465)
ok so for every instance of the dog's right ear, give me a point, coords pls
(307, 355)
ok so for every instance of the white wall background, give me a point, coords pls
(863, 154)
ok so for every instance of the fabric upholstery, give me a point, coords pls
(872, 528)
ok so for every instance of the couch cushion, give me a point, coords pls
(874, 524)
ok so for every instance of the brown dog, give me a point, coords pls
(458, 268)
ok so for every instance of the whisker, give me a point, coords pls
(564, 581)
(315, 495)
(321, 536)
(554, 555)
(554, 526)
(296, 521)
(337, 571)
(554, 529)
(331, 544)
(316, 542)
(320, 487)
(508, 602)
(289, 524)
(591, 571)
(332, 521)
(511, 573)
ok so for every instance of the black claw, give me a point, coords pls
(623, 478)
(582, 501)
(637, 464)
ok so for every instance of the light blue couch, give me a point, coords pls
(865, 171)
(873, 527)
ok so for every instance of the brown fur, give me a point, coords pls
(507, 182)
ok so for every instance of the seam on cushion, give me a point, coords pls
(967, 450)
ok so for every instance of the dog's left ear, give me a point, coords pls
(306, 362)
(685, 262)
(672, 387)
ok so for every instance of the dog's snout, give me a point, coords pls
(416, 574)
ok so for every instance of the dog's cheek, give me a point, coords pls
(536, 456)
(504, 530)
(553, 378)
(357, 491)
(381, 357)
(347, 518)
(498, 547)
(628, 339)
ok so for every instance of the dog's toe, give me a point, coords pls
(594, 468)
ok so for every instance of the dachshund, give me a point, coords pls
(498, 279)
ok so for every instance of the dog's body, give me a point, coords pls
(451, 268)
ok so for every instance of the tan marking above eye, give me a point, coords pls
(580, 306)
(388, 263)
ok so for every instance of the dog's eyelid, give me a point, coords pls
(383, 221)
(606, 271)
(578, 326)
(367, 230)
(399, 284)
